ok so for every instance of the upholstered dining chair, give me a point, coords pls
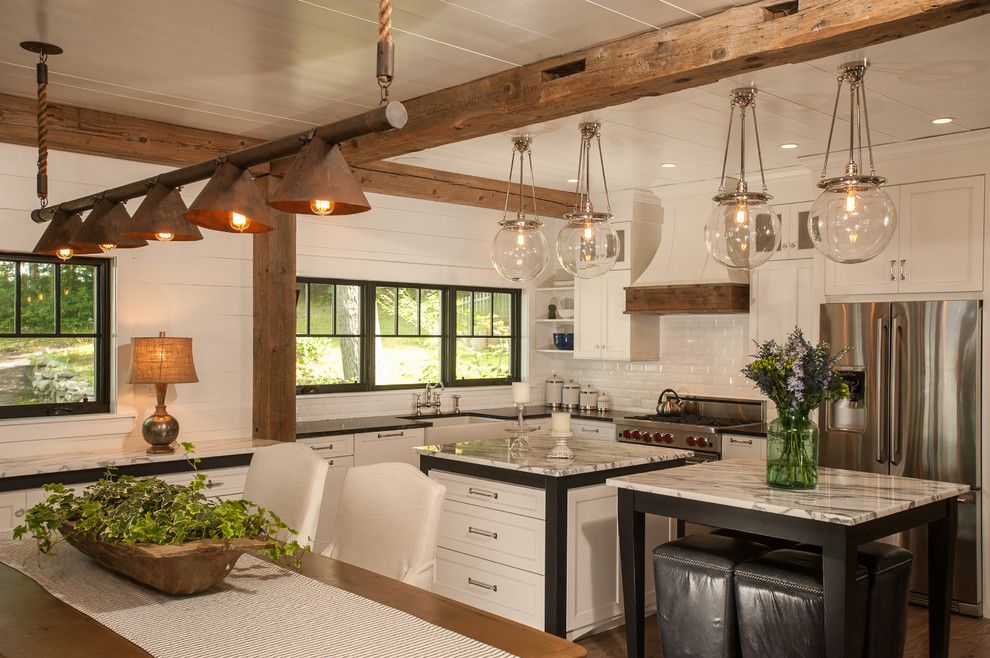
(288, 479)
(388, 520)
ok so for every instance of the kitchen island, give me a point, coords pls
(532, 538)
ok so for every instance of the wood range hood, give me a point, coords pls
(688, 299)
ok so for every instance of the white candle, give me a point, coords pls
(520, 392)
(560, 421)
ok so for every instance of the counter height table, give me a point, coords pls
(595, 460)
(849, 508)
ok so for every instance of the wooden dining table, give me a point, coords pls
(35, 623)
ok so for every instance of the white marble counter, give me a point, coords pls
(591, 455)
(58, 462)
(843, 497)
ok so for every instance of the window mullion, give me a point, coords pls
(17, 297)
(58, 300)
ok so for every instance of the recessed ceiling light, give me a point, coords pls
(789, 146)
(942, 121)
(668, 165)
(572, 180)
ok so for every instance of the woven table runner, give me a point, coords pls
(260, 609)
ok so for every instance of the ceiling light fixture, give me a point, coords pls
(743, 231)
(57, 238)
(519, 250)
(43, 50)
(104, 228)
(572, 180)
(161, 217)
(587, 245)
(941, 121)
(230, 202)
(668, 165)
(319, 182)
(853, 219)
(789, 145)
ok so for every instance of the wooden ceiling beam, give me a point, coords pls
(692, 54)
(92, 132)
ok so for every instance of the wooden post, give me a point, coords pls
(274, 294)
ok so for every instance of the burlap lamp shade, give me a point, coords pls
(161, 361)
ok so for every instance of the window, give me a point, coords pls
(54, 336)
(354, 335)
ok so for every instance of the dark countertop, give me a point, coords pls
(311, 428)
(754, 429)
(540, 411)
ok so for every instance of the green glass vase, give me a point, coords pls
(792, 451)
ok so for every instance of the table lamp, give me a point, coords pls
(162, 361)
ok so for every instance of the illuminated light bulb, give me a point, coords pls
(30, 299)
(587, 232)
(520, 238)
(741, 214)
(41, 296)
(744, 246)
(164, 237)
(851, 200)
(239, 222)
(321, 206)
(65, 292)
(853, 237)
(107, 247)
(64, 253)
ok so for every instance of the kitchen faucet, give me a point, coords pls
(430, 399)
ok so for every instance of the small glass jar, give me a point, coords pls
(792, 451)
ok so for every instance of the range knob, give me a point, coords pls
(668, 438)
(626, 434)
(690, 441)
(657, 437)
(702, 442)
(636, 434)
(647, 437)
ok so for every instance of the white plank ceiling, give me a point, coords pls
(266, 67)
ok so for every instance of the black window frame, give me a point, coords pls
(448, 336)
(360, 385)
(101, 336)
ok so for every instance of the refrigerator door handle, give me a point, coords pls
(878, 366)
(895, 391)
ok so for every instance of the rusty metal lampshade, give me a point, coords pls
(230, 202)
(57, 238)
(104, 228)
(160, 217)
(161, 360)
(319, 182)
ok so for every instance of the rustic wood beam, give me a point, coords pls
(93, 132)
(737, 40)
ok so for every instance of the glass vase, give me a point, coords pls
(792, 451)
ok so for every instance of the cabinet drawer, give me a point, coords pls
(331, 446)
(504, 591)
(744, 447)
(585, 429)
(222, 482)
(527, 501)
(509, 539)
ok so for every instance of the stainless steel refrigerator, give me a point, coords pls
(914, 372)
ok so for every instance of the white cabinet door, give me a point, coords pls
(388, 446)
(12, 505)
(743, 447)
(876, 276)
(941, 236)
(782, 297)
(588, 321)
(616, 334)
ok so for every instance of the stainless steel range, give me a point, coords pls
(699, 426)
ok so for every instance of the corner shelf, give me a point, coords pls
(555, 321)
(553, 350)
(555, 289)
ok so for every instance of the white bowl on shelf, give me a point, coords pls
(565, 313)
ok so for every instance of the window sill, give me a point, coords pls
(401, 391)
(67, 418)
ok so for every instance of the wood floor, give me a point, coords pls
(970, 638)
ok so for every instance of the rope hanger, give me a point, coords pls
(386, 49)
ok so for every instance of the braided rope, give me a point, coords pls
(43, 143)
(385, 21)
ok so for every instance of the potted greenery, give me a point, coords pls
(798, 377)
(174, 538)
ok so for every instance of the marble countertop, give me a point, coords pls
(591, 455)
(843, 497)
(128, 455)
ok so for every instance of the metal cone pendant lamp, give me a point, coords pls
(319, 182)
(160, 217)
(230, 202)
(587, 246)
(519, 250)
(853, 219)
(57, 238)
(742, 232)
(104, 228)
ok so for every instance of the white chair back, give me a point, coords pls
(388, 521)
(288, 479)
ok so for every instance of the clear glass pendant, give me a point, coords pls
(519, 251)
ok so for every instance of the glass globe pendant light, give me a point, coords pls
(519, 250)
(587, 245)
(743, 232)
(853, 219)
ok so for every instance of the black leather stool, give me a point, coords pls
(889, 568)
(781, 608)
(695, 596)
(773, 542)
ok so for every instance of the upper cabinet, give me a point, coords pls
(795, 241)
(603, 330)
(938, 245)
(783, 296)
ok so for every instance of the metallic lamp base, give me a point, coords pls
(160, 430)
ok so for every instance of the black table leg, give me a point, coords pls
(632, 540)
(941, 558)
(555, 562)
(838, 574)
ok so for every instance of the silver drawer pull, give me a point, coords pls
(212, 484)
(484, 533)
(388, 435)
(483, 492)
(747, 442)
(19, 513)
(330, 462)
(478, 583)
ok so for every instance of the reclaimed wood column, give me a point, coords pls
(274, 294)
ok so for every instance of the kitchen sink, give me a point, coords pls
(451, 421)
